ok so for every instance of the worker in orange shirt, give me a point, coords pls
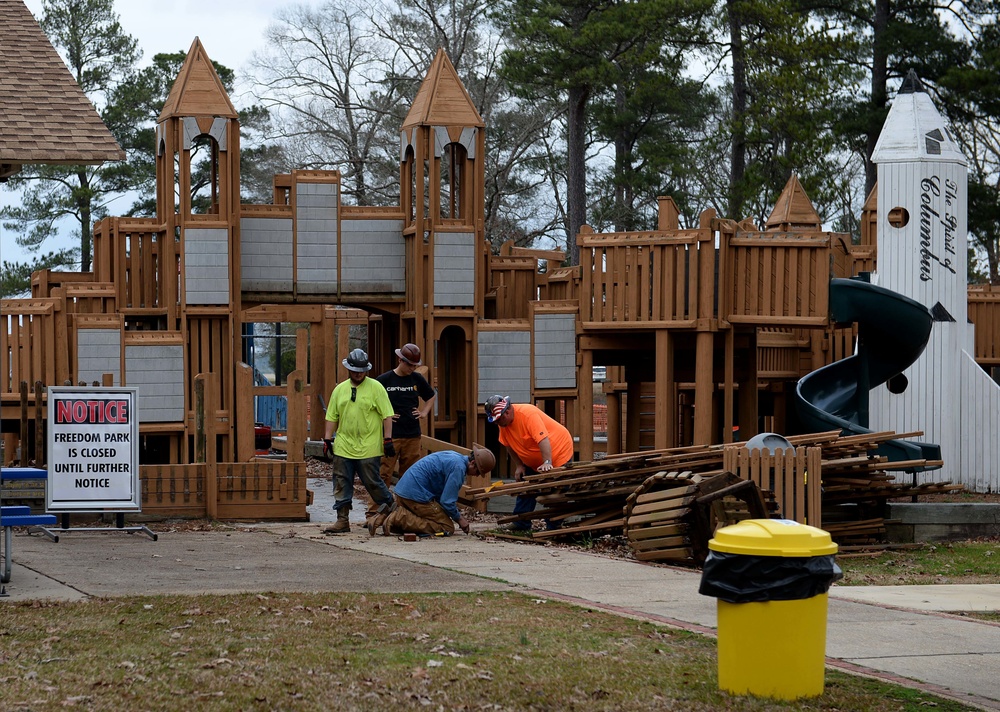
(536, 443)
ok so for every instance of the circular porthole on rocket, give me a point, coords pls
(897, 384)
(899, 217)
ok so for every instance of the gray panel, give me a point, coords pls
(505, 364)
(157, 373)
(266, 254)
(317, 240)
(373, 257)
(454, 269)
(98, 351)
(206, 266)
(555, 351)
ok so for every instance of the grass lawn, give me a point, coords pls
(502, 651)
(943, 562)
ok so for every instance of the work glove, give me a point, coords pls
(388, 447)
(327, 449)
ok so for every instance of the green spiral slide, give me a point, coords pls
(892, 333)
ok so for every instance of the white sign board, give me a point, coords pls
(93, 450)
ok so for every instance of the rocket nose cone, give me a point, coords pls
(914, 130)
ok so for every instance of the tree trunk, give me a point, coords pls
(576, 169)
(880, 62)
(621, 169)
(738, 158)
(85, 221)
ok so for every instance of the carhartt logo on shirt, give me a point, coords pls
(399, 389)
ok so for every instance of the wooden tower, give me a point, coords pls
(198, 207)
(442, 150)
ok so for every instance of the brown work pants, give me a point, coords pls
(419, 518)
(407, 452)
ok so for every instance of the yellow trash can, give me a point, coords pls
(771, 577)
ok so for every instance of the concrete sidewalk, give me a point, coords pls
(887, 632)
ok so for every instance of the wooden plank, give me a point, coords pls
(583, 528)
(658, 516)
(682, 489)
(658, 544)
(637, 534)
(679, 554)
(663, 506)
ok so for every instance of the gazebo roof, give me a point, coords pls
(442, 99)
(198, 91)
(44, 115)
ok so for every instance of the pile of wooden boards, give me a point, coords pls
(591, 497)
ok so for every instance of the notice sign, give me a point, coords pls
(93, 450)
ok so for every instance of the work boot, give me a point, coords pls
(343, 524)
(382, 513)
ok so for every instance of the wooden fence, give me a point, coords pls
(984, 312)
(255, 490)
(795, 477)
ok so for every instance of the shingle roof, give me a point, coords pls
(44, 115)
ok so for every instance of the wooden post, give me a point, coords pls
(704, 387)
(23, 457)
(665, 428)
(199, 418)
(244, 413)
(633, 412)
(585, 405)
(63, 337)
(613, 399)
(748, 391)
(295, 446)
(813, 484)
(728, 392)
(39, 426)
(204, 440)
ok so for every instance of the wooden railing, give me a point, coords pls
(142, 263)
(777, 279)
(513, 282)
(647, 280)
(33, 342)
(560, 283)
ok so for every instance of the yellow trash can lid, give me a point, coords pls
(772, 537)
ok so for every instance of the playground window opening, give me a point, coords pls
(270, 349)
(204, 175)
(452, 181)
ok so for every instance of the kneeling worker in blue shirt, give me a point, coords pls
(427, 493)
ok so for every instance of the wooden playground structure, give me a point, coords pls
(703, 331)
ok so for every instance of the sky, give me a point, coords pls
(230, 31)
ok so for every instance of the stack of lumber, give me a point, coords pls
(591, 497)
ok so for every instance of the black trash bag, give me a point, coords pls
(742, 578)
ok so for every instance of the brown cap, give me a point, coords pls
(484, 459)
(410, 353)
